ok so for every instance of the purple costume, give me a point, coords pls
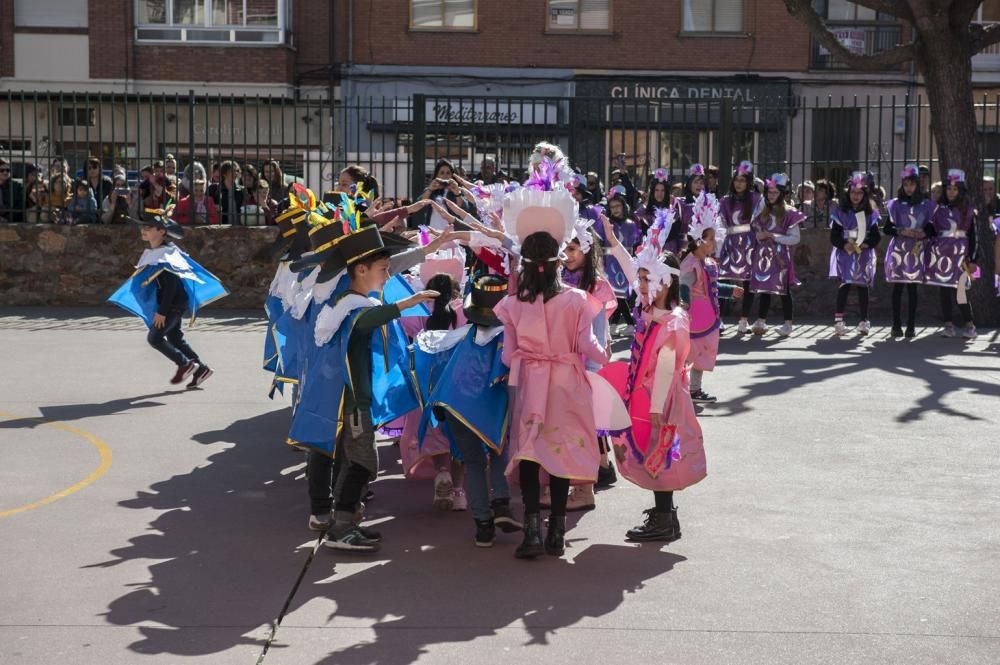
(683, 212)
(773, 267)
(735, 261)
(949, 248)
(628, 233)
(850, 268)
(906, 258)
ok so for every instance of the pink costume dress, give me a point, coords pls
(551, 414)
(704, 318)
(674, 458)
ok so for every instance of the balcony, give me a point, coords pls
(860, 37)
(987, 60)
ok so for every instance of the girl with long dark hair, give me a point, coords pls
(951, 261)
(736, 212)
(908, 226)
(854, 235)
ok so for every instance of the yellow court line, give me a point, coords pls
(102, 448)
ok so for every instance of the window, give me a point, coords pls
(713, 16)
(77, 117)
(442, 14)
(50, 13)
(579, 15)
(840, 11)
(237, 21)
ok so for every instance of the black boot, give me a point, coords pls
(897, 329)
(555, 539)
(659, 525)
(606, 476)
(486, 533)
(531, 546)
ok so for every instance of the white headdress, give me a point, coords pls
(704, 215)
(529, 210)
(660, 274)
(581, 233)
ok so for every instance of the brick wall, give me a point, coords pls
(644, 37)
(6, 39)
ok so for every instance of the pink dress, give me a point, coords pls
(673, 458)
(551, 413)
(704, 327)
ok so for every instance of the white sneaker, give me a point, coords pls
(785, 330)
(970, 332)
(839, 328)
(864, 327)
(458, 500)
(949, 330)
(581, 497)
(319, 522)
(743, 327)
(759, 327)
(444, 491)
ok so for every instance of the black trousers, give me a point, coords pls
(897, 305)
(862, 299)
(169, 340)
(947, 298)
(787, 306)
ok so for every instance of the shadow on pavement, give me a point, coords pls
(66, 412)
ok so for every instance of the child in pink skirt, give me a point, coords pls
(547, 333)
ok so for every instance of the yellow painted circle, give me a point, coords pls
(102, 449)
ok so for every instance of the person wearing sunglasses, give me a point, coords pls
(11, 195)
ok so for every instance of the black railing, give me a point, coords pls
(859, 38)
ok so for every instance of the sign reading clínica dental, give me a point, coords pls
(682, 89)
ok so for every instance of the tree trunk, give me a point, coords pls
(946, 64)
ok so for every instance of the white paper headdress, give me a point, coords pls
(581, 233)
(704, 215)
(661, 275)
(528, 211)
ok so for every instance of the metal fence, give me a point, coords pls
(399, 140)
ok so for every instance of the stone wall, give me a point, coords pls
(82, 265)
(45, 264)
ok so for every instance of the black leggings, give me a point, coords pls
(531, 490)
(747, 299)
(787, 306)
(664, 501)
(897, 305)
(842, 300)
(947, 296)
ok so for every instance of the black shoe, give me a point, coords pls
(486, 533)
(184, 371)
(911, 332)
(350, 538)
(370, 534)
(606, 476)
(368, 497)
(200, 376)
(555, 539)
(658, 526)
(897, 331)
(503, 518)
(701, 397)
(531, 546)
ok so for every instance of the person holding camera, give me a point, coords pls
(442, 187)
(116, 205)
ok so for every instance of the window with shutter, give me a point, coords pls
(442, 14)
(578, 15)
(713, 16)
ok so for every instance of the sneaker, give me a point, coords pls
(184, 371)
(370, 534)
(319, 522)
(503, 518)
(743, 327)
(949, 330)
(970, 332)
(864, 327)
(486, 533)
(759, 327)
(701, 397)
(458, 500)
(350, 538)
(897, 331)
(839, 328)
(200, 376)
(444, 491)
(606, 476)
(629, 331)
(910, 332)
(581, 497)
(785, 330)
(657, 526)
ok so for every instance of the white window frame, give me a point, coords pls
(182, 30)
(712, 30)
(443, 27)
(577, 30)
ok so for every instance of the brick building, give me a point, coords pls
(668, 63)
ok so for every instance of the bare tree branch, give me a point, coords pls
(804, 12)
(984, 36)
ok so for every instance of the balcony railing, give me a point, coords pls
(862, 38)
(989, 58)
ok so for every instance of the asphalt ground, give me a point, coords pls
(849, 516)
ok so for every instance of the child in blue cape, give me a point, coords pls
(166, 284)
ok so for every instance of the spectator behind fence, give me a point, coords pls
(60, 189)
(442, 186)
(157, 197)
(170, 166)
(11, 195)
(100, 184)
(82, 206)
(197, 208)
(825, 192)
(193, 171)
(37, 211)
(58, 166)
(273, 174)
(228, 194)
(115, 208)
(991, 200)
(712, 179)
(250, 181)
(267, 205)
(488, 174)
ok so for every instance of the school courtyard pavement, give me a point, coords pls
(850, 516)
